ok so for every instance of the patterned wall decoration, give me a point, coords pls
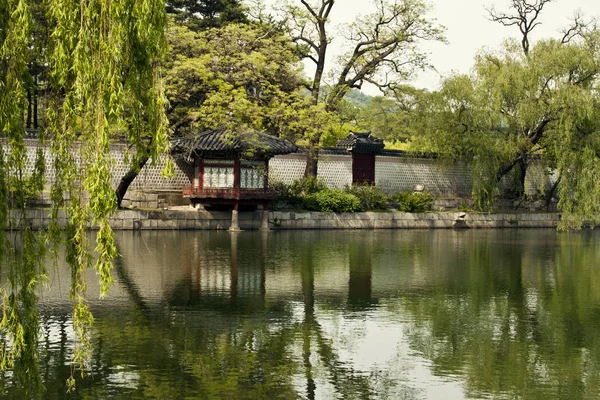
(148, 178)
(335, 170)
(395, 174)
(392, 172)
(252, 174)
(287, 168)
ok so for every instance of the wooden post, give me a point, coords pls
(237, 177)
(266, 176)
(200, 173)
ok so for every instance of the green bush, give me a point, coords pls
(282, 189)
(332, 201)
(306, 186)
(413, 201)
(371, 197)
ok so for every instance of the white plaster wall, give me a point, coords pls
(395, 174)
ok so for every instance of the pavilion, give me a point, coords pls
(230, 168)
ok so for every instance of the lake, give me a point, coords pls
(397, 314)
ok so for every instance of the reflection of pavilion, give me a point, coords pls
(222, 283)
(247, 271)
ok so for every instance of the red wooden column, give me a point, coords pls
(200, 173)
(237, 177)
(266, 176)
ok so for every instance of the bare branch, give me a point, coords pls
(578, 28)
(524, 16)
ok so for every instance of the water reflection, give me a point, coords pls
(348, 315)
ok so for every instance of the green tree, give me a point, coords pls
(395, 118)
(514, 106)
(382, 49)
(203, 14)
(196, 15)
(104, 76)
(238, 75)
(525, 16)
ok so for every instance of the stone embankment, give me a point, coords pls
(188, 218)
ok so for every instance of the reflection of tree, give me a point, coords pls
(519, 328)
(510, 314)
(347, 382)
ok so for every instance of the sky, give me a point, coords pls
(468, 30)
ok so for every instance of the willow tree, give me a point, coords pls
(103, 61)
(515, 106)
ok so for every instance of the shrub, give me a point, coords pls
(371, 197)
(306, 186)
(332, 201)
(413, 201)
(282, 189)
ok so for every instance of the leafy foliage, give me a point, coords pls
(104, 79)
(514, 106)
(332, 200)
(306, 186)
(371, 197)
(413, 201)
(237, 75)
(203, 14)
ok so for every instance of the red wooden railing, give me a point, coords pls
(228, 193)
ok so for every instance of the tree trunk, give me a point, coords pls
(35, 103)
(128, 178)
(28, 123)
(522, 175)
(312, 161)
(550, 193)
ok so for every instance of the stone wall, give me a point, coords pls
(395, 174)
(394, 171)
(149, 177)
(221, 220)
(334, 169)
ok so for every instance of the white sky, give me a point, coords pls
(468, 30)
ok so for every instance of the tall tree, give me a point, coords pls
(383, 49)
(514, 106)
(203, 14)
(236, 75)
(104, 73)
(525, 15)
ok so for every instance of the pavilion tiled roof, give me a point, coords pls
(221, 142)
(361, 142)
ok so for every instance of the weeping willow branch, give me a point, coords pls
(104, 59)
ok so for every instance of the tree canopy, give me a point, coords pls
(203, 14)
(236, 75)
(513, 106)
(382, 48)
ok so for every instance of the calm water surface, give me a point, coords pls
(338, 315)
